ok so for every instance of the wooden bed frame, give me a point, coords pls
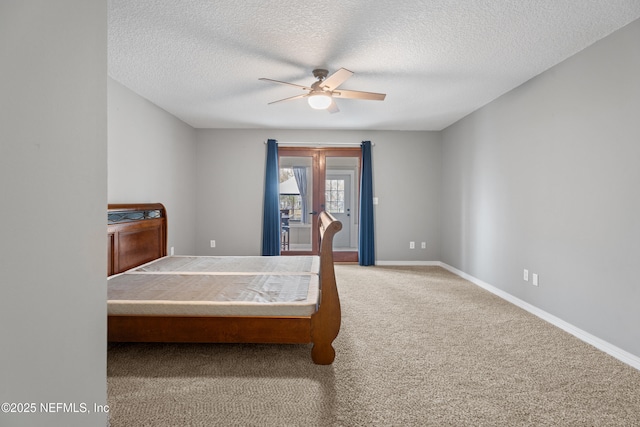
(141, 236)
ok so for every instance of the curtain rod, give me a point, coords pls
(321, 144)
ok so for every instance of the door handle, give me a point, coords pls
(313, 213)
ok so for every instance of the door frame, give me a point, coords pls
(318, 166)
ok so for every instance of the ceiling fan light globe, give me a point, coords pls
(319, 101)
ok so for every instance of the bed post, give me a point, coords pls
(325, 322)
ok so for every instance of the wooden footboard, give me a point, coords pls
(325, 322)
(320, 329)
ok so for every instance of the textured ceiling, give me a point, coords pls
(437, 60)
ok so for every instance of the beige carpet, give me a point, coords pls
(418, 346)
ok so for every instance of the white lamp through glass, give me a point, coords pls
(319, 101)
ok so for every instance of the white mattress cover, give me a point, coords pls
(232, 264)
(177, 294)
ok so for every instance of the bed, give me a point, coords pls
(153, 297)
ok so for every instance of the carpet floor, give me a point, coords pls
(419, 346)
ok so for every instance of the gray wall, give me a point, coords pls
(151, 158)
(53, 172)
(231, 183)
(546, 178)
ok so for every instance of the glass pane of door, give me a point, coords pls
(341, 198)
(296, 203)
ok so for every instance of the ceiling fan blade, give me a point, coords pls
(285, 83)
(291, 98)
(354, 94)
(336, 79)
(333, 107)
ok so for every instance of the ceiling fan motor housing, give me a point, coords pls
(320, 73)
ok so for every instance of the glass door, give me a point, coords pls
(342, 196)
(316, 179)
(297, 208)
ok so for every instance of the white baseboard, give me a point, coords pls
(427, 263)
(610, 349)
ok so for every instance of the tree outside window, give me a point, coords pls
(290, 204)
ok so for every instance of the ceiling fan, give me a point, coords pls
(321, 93)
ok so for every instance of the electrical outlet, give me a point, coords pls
(535, 279)
(172, 251)
(412, 245)
(423, 245)
(213, 243)
(525, 276)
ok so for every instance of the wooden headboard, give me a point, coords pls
(137, 233)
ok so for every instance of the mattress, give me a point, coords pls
(232, 264)
(217, 286)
